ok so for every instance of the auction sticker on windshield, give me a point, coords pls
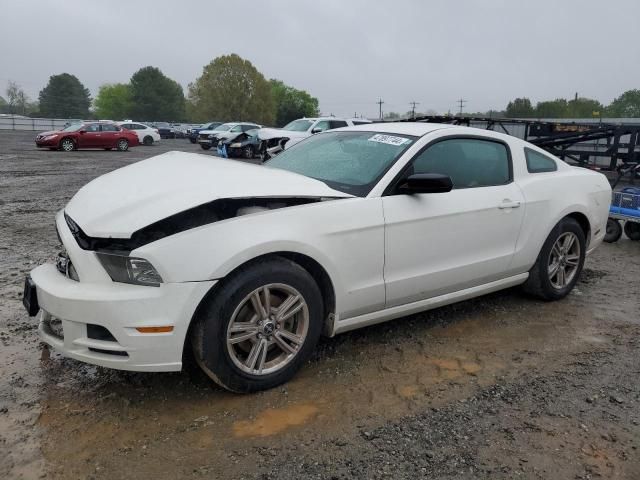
(389, 139)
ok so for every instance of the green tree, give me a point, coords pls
(552, 108)
(291, 103)
(626, 105)
(113, 101)
(231, 88)
(65, 97)
(155, 96)
(519, 108)
(391, 116)
(583, 108)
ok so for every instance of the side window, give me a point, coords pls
(538, 163)
(94, 127)
(237, 128)
(469, 162)
(322, 125)
(337, 123)
(107, 127)
(128, 126)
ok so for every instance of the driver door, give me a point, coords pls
(439, 243)
(91, 138)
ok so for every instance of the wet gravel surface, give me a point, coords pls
(502, 386)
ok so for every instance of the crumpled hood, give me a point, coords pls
(123, 201)
(269, 133)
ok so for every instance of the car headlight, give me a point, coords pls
(124, 269)
(235, 145)
(50, 137)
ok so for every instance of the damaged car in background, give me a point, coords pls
(274, 140)
(243, 145)
(210, 138)
(245, 266)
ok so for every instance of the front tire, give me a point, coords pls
(148, 140)
(205, 146)
(247, 152)
(67, 145)
(613, 231)
(123, 145)
(559, 262)
(259, 326)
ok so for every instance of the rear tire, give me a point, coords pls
(148, 140)
(613, 232)
(205, 146)
(192, 140)
(559, 262)
(244, 350)
(632, 230)
(123, 145)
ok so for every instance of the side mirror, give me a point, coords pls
(316, 130)
(425, 183)
(83, 131)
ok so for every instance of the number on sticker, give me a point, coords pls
(388, 139)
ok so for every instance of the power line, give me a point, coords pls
(413, 108)
(461, 103)
(380, 102)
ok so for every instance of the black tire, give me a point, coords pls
(123, 145)
(539, 282)
(108, 149)
(67, 144)
(632, 230)
(205, 146)
(209, 332)
(192, 140)
(613, 232)
(248, 152)
(148, 140)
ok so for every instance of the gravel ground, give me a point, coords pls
(502, 386)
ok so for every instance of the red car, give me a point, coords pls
(105, 135)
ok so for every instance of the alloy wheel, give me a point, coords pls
(67, 145)
(267, 329)
(564, 260)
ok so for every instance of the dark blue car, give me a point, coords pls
(193, 133)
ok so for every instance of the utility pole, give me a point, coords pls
(380, 102)
(413, 108)
(461, 102)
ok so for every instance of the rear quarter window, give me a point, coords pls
(538, 162)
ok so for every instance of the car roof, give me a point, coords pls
(416, 129)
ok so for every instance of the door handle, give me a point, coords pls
(508, 204)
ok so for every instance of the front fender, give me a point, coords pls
(345, 236)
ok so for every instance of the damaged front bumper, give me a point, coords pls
(98, 323)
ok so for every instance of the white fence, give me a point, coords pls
(18, 122)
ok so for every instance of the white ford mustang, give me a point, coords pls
(247, 265)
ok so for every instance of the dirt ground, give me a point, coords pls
(502, 386)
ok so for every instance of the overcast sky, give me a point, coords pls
(346, 53)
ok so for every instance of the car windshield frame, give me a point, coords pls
(74, 127)
(356, 189)
(308, 122)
